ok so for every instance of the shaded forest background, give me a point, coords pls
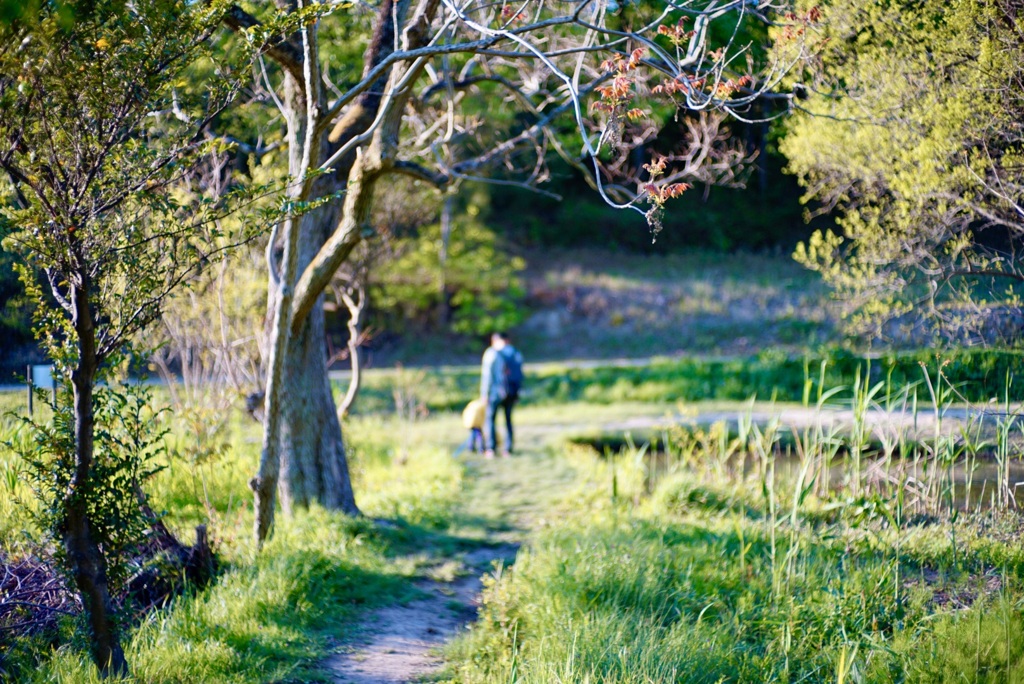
(502, 241)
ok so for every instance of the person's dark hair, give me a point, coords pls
(501, 334)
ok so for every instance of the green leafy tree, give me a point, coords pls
(104, 152)
(912, 131)
(475, 289)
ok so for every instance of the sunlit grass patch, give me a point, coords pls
(267, 618)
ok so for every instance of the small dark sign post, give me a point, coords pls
(28, 381)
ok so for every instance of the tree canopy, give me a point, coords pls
(912, 132)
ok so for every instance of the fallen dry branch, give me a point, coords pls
(34, 595)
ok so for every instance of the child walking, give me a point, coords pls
(473, 419)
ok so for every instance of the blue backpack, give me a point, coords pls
(510, 373)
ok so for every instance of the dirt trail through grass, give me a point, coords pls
(503, 501)
(398, 643)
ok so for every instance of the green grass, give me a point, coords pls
(696, 302)
(980, 374)
(692, 576)
(692, 585)
(266, 619)
(269, 617)
(607, 303)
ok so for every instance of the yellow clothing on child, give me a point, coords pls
(474, 414)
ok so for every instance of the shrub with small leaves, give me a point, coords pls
(126, 446)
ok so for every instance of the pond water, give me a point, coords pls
(969, 486)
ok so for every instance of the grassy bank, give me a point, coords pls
(977, 375)
(608, 303)
(711, 580)
(714, 565)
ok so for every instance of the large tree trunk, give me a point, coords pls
(88, 566)
(313, 463)
(310, 446)
(301, 427)
(304, 453)
(314, 467)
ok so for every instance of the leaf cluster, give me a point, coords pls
(107, 143)
(481, 282)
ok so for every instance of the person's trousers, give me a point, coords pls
(492, 411)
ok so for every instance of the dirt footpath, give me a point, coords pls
(400, 644)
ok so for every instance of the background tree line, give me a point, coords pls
(490, 228)
(953, 94)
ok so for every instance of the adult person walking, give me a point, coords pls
(501, 378)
